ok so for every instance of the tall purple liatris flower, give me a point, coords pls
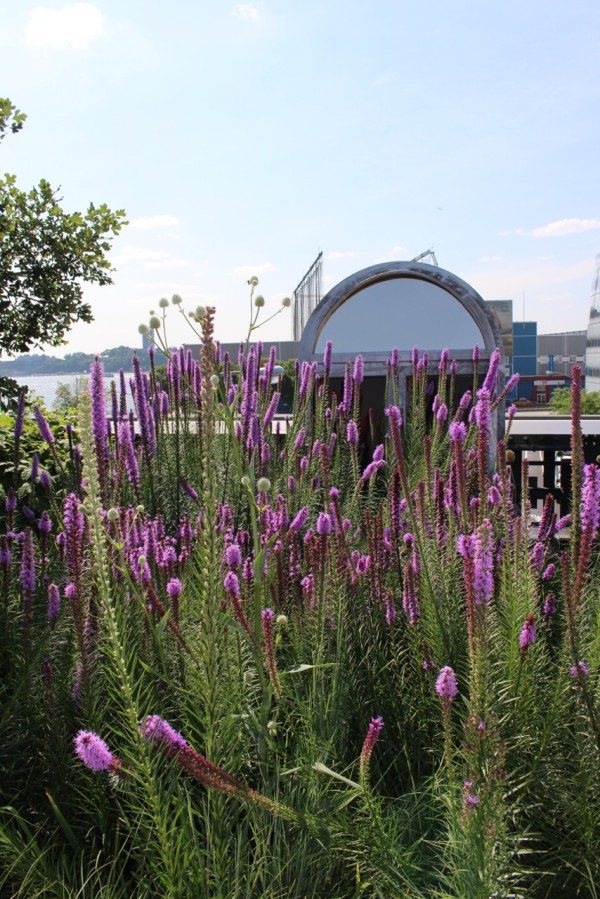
(157, 730)
(352, 433)
(359, 371)
(53, 604)
(446, 685)
(528, 634)
(327, 356)
(131, 461)
(324, 524)
(370, 741)
(590, 499)
(491, 379)
(27, 571)
(99, 423)
(43, 427)
(94, 753)
(483, 564)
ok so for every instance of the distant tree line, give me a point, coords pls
(73, 363)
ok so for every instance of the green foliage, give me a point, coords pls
(46, 255)
(560, 401)
(57, 463)
(67, 397)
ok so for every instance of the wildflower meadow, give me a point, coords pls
(252, 657)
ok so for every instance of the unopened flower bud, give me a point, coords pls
(200, 312)
(214, 380)
(263, 485)
(155, 323)
(253, 281)
(140, 509)
(112, 514)
(163, 302)
(259, 301)
(245, 481)
(143, 329)
(272, 727)
(286, 302)
(176, 299)
(281, 621)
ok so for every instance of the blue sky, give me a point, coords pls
(246, 137)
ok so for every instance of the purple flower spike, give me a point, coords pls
(371, 738)
(45, 523)
(549, 572)
(359, 370)
(324, 524)
(458, 432)
(232, 584)
(11, 500)
(43, 426)
(53, 604)
(352, 433)
(174, 588)
(157, 730)
(528, 634)
(94, 753)
(580, 669)
(233, 556)
(327, 356)
(446, 685)
(27, 573)
(98, 404)
(299, 519)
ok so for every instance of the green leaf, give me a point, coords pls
(66, 827)
(323, 769)
(302, 666)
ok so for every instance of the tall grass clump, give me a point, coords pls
(239, 660)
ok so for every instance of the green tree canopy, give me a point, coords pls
(560, 401)
(46, 256)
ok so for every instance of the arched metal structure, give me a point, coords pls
(375, 363)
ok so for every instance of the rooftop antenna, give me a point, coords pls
(427, 254)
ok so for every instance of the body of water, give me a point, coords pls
(45, 386)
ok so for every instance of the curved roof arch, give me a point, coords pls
(456, 289)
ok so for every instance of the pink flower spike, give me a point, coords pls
(157, 730)
(446, 685)
(94, 753)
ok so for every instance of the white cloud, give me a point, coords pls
(566, 226)
(342, 254)
(556, 229)
(249, 12)
(139, 254)
(492, 258)
(146, 223)
(72, 26)
(149, 258)
(246, 271)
